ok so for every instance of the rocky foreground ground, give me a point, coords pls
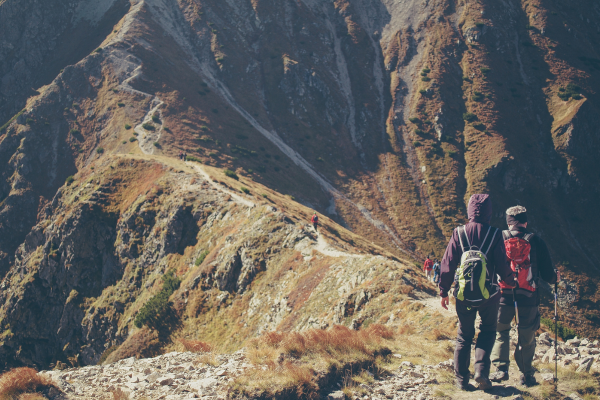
(177, 375)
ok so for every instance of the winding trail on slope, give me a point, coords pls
(167, 13)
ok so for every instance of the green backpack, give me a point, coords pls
(474, 284)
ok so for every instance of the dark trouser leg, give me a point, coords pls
(486, 337)
(464, 339)
(529, 319)
(501, 351)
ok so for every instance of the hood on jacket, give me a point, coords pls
(480, 208)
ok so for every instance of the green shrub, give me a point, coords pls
(480, 25)
(154, 311)
(69, 180)
(220, 59)
(100, 150)
(213, 154)
(423, 91)
(124, 142)
(416, 143)
(156, 144)
(231, 174)
(156, 119)
(74, 131)
(132, 139)
(201, 258)
(469, 117)
(127, 126)
(414, 120)
(121, 104)
(136, 134)
(245, 190)
(192, 158)
(485, 70)
(425, 78)
(203, 128)
(572, 90)
(29, 121)
(98, 50)
(423, 73)
(426, 70)
(266, 196)
(479, 126)
(564, 332)
(419, 132)
(320, 159)
(450, 153)
(148, 126)
(477, 96)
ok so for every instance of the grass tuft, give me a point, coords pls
(231, 174)
(18, 381)
(291, 364)
(196, 346)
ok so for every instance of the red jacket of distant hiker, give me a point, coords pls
(428, 266)
(480, 214)
(314, 219)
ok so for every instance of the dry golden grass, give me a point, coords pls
(19, 381)
(196, 346)
(288, 365)
(32, 396)
(119, 394)
(208, 359)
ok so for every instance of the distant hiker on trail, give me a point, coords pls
(427, 267)
(184, 156)
(436, 271)
(181, 155)
(475, 255)
(530, 260)
(315, 221)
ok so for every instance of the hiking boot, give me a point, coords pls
(499, 376)
(462, 385)
(527, 380)
(483, 383)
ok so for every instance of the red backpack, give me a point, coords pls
(518, 250)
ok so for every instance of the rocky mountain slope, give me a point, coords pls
(383, 115)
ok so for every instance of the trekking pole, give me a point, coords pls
(556, 334)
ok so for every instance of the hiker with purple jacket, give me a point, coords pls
(463, 263)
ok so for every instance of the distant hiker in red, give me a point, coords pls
(428, 267)
(315, 221)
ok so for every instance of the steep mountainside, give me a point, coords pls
(385, 115)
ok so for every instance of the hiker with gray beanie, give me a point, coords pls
(530, 260)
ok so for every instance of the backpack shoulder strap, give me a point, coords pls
(462, 238)
(506, 235)
(528, 237)
(491, 241)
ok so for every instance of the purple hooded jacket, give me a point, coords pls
(480, 214)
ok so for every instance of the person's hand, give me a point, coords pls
(445, 302)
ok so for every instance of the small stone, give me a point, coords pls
(407, 364)
(338, 395)
(574, 396)
(585, 364)
(397, 355)
(573, 342)
(547, 377)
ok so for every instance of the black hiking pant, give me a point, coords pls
(485, 340)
